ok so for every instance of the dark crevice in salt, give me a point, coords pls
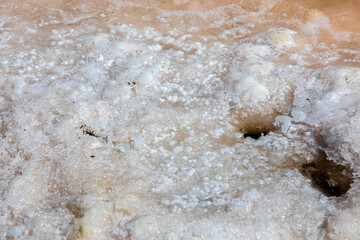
(255, 135)
(330, 178)
(87, 131)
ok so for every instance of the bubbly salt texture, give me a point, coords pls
(179, 119)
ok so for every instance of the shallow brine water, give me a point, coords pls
(182, 119)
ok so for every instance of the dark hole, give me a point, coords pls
(330, 178)
(92, 156)
(255, 135)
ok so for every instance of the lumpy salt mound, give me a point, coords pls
(182, 119)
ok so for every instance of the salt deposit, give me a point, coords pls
(183, 119)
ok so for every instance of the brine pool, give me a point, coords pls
(182, 119)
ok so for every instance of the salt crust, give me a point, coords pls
(112, 134)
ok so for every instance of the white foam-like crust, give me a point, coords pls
(108, 135)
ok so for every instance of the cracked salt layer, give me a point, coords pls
(178, 120)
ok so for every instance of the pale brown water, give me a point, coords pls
(334, 23)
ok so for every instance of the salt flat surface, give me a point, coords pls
(179, 119)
